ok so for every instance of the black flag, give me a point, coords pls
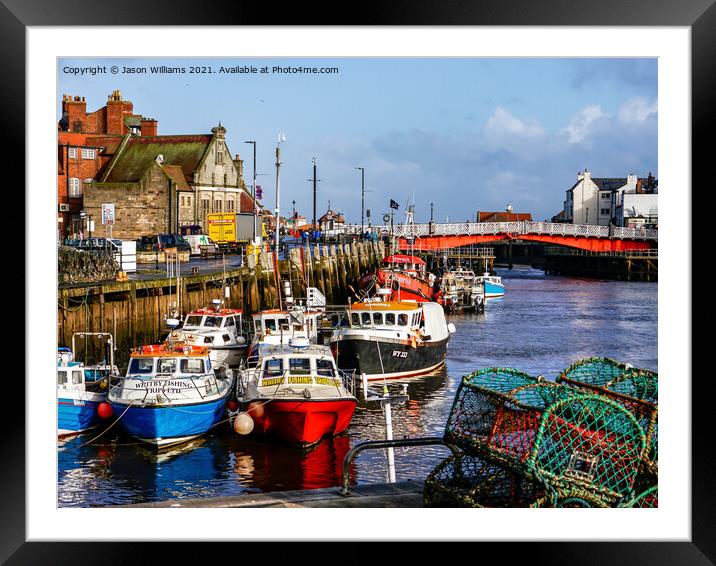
(393, 204)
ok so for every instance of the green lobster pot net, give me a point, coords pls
(600, 371)
(590, 447)
(647, 499)
(471, 481)
(636, 389)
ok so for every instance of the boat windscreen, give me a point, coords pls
(212, 322)
(193, 320)
(141, 365)
(192, 365)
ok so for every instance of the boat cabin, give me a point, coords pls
(389, 315)
(407, 263)
(213, 319)
(290, 323)
(148, 362)
(307, 364)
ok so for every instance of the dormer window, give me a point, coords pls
(88, 153)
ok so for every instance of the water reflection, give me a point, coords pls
(540, 326)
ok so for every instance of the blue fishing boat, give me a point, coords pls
(82, 390)
(493, 285)
(172, 393)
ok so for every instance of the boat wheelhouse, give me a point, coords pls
(405, 275)
(392, 339)
(297, 393)
(216, 328)
(493, 285)
(172, 392)
(81, 389)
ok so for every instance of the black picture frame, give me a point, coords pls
(698, 15)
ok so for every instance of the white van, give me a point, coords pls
(196, 241)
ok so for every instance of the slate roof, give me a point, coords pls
(504, 216)
(175, 173)
(184, 152)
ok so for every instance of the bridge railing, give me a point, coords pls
(517, 228)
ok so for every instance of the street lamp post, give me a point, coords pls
(362, 197)
(313, 223)
(253, 189)
(281, 138)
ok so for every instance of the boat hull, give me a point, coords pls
(164, 425)
(398, 359)
(494, 290)
(230, 355)
(299, 421)
(75, 416)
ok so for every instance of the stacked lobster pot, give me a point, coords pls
(634, 388)
(525, 441)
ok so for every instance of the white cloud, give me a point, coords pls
(636, 110)
(503, 123)
(578, 128)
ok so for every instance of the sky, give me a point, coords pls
(465, 134)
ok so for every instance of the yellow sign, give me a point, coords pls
(303, 380)
(326, 381)
(269, 382)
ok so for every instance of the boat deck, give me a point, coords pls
(408, 494)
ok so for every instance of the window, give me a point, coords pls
(605, 196)
(325, 368)
(72, 152)
(192, 366)
(226, 338)
(257, 325)
(605, 211)
(75, 190)
(88, 153)
(390, 318)
(182, 201)
(205, 204)
(355, 319)
(193, 321)
(213, 321)
(217, 206)
(61, 378)
(300, 366)
(270, 324)
(141, 365)
(403, 319)
(230, 205)
(219, 154)
(228, 321)
(377, 318)
(273, 368)
(283, 324)
(76, 377)
(365, 318)
(166, 365)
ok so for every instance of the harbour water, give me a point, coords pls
(541, 325)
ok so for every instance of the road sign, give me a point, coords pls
(108, 214)
(386, 218)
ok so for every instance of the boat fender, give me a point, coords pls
(306, 394)
(220, 372)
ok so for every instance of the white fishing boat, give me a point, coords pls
(493, 285)
(172, 392)
(217, 328)
(82, 389)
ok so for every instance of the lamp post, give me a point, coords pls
(281, 138)
(313, 223)
(253, 189)
(362, 197)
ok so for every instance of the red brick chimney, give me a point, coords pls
(76, 109)
(149, 127)
(117, 109)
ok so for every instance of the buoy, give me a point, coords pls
(233, 405)
(243, 423)
(104, 410)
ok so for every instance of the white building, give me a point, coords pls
(638, 210)
(599, 201)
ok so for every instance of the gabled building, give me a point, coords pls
(503, 216)
(160, 183)
(85, 143)
(595, 200)
(331, 220)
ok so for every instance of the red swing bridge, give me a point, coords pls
(434, 236)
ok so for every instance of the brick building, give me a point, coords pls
(85, 143)
(160, 183)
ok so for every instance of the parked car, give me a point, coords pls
(162, 241)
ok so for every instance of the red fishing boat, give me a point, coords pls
(296, 393)
(405, 275)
